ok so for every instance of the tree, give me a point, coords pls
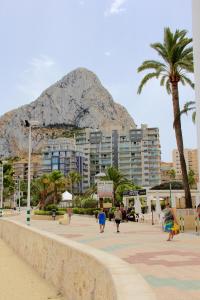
(191, 178)
(113, 174)
(73, 178)
(124, 187)
(8, 181)
(40, 188)
(57, 182)
(176, 61)
(172, 174)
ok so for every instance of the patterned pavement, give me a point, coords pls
(171, 268)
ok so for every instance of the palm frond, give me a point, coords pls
(146, 79)
(188, 81)
(194, 117)
(168, 87)
(151, 64)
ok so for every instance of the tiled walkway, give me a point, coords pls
(171, 268)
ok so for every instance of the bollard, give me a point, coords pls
(28, 216)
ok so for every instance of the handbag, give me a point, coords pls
(176, 229)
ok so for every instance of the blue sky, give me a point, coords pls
(41, 41)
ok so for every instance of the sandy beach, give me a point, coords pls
(18, 281)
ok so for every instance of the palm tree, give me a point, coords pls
(176, 61)
(191, 178)
(172, 174)
(113, 174)
(40, 187)
(57, 182)
(73, 178)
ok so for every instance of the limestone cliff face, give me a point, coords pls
(78, 100)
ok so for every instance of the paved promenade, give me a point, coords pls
(171, 268)
(19, 281)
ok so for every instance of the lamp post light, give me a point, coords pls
(29, 124)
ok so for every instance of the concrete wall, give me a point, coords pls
(79, 271)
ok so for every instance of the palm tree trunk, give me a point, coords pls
(179, 141)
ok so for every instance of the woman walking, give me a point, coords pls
(118, 217)
(102, 220)
(169, 221)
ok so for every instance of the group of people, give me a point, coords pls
(102, 219)
(170, 221)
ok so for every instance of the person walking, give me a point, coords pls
(102, 220)
(69, 212)
(169, 221)
(118, 217)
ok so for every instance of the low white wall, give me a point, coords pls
(78, 271)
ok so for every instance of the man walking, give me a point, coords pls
(118, 217)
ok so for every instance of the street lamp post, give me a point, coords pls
(29, 124)
(28, 212)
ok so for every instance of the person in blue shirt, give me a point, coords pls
(102, 220)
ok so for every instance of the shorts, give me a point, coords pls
(102, 222)
(117, 221)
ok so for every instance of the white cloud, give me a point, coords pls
(115, 8)
(41, 72)
(81, 2)
(107, 53)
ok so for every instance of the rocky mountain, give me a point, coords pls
(78, 100)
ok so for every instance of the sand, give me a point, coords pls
(19, 281)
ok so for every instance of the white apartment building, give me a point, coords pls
(135, 152)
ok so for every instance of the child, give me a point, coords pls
(102, 220)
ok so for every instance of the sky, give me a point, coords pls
(41, 41)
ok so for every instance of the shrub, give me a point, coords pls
(47, 212)
(50, 207)
(75, 210)
(89, 203)
(85, 211)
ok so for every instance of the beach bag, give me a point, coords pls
(176, 229)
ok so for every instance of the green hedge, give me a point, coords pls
(84, 211)
(47, 213)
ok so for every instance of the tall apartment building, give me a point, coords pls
(61, 154)
(135, 152)
(191, 159)
(20, 168)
